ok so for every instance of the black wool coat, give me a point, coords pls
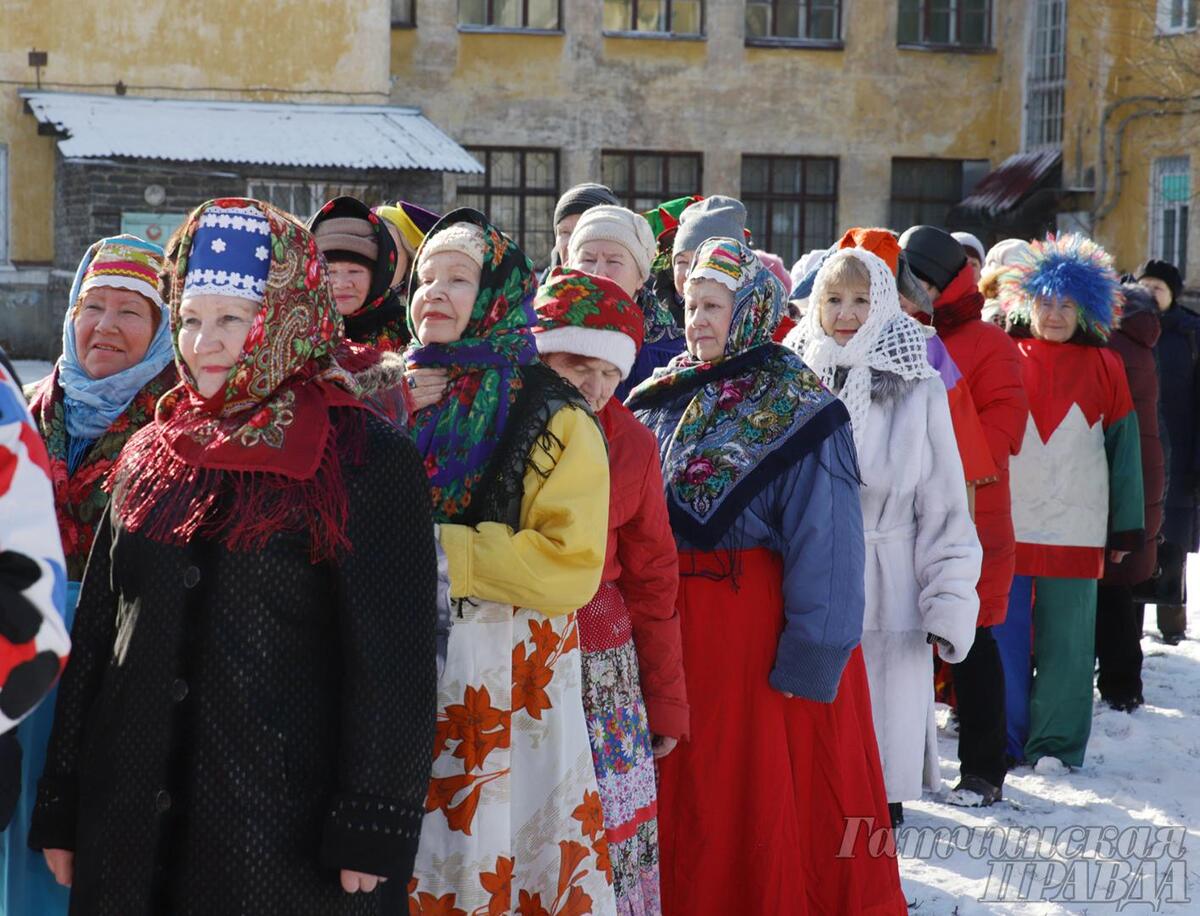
(233, 728)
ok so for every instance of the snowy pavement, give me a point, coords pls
(31, 370)
(1135, 805)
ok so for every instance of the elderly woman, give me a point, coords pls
(407, 224)
(244, 724)
(923, 555)
(616, 243)
(1077, 491)
(634, 697)
(116, 363)
(519, 477)
(762, 491)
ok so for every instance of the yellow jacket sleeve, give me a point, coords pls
(554, 562)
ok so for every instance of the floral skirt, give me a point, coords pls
(620, 738)
(513, 820)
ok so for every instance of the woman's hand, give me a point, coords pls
(355, 881)
(61, 863)
(425, 386)
(661, 745)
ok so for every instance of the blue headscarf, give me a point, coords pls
(93, 404)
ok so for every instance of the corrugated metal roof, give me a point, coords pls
(264, 133)
(1011, 181)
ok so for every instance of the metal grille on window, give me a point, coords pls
(924, 190)
(643, 180)
(791, 203)
(517, 192)
(1171, 197)
(1046, 75)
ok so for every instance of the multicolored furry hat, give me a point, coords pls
(1065, 267)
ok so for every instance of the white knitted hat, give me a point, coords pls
(465, 238)
(616, 224)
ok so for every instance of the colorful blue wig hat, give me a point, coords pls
(1066, 267)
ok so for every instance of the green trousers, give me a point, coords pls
(1064, 659)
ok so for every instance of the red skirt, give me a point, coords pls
(757, 812)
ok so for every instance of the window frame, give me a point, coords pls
(632, 31)
(487, 191)
(770, 197)
(662, 193)
(957, 197)
(410, 22)
(5, 208)
(924, 13)
(318, 191)
(1163, 14)
(836, 43)
(490, 26)
(1045, 78)
(1162, 167)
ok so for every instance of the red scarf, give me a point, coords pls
(959, 303)
(264, 454)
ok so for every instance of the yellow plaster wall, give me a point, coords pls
(219, 48)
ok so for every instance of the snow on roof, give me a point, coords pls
(264, 133)
(1011, 181)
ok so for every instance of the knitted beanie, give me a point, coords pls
(230, 254)
(411, 222)
(1008, 252)
(347, 238)
(582, 198)
(971, 245)
(588, 316)
(125, 262)
(715, 217)
(1165, 271)
(615, 224)
(465, 238)
(934, 256)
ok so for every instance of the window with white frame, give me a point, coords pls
(945, 23)
(783, 21)
(662, 17)
(3, 204)
(1170, 202)
(1046, 75)
(304, 198)
(1177, 15)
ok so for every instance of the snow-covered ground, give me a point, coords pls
(1138, 791)
(30, 370)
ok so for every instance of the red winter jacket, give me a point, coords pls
(1134, 342)
(989, 361)
(643, 562)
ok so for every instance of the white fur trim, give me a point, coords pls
(465, 238)
(597, 343)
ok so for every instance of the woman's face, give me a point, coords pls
(679, 265)
(595, 378)
(212, 332)
(350, 282)
(448, 284)
(113, 330)
(1055, 320)
(844, 309)
(1162, 292)
(611, 260)
(707, 314)
(562, 235)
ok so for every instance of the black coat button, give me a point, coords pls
(179, 690)
(191, 577)
(162, 801)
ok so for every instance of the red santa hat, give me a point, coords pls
(588, 316)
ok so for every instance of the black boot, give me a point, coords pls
(896, 810)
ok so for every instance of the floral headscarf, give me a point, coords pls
(751, 414)
(268, 433)
(459, 434)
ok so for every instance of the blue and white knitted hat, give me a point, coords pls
(231, 254)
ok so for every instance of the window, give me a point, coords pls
(517, 190)
(791, 203)
(950, 23)
(643, 180)
(924, 190)
(672, 17)
(304, 198)
(404, 13)
(793, 21)
(3, 204)
(509, 14)
(1170, 200)
(1177, 15)
(1046, 75)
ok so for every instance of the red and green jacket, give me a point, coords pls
(1077, 482)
